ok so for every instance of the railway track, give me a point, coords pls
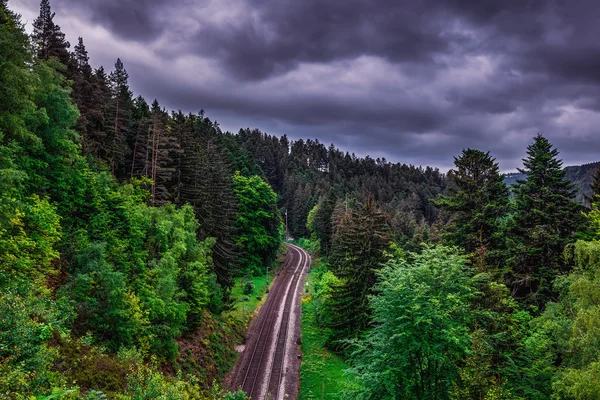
(263, 364)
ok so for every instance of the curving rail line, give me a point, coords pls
(263, 364)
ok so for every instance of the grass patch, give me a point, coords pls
(244, 305)
(321, 372)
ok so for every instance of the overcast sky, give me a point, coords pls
(412, 81)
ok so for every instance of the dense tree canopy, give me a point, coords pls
(421, 311)
(259, 222)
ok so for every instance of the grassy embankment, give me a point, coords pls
(322, 373)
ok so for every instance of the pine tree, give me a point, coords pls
(48, 39)
(83, 93)
(323, 222)
(182, 128)
(302, 201)
(164, 151)
(206, 183)
(595, 187)
(97, 124)
(477, 201)
(120, 138)
(81, 58)
(545, 221)
(357, 252)
(142, 129)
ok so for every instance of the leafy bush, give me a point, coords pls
(248, 288)
(407, 354)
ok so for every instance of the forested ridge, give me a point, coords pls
(496, 302)
(124, 228)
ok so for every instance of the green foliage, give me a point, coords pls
(249, 288)
(258, 223)
(28, 239)
(218, 393)
(324, 302)
(105, 306)
(592, 231)
(579, 383)
(322, 373)
(580, 307)
(146, 281)
(358, 251)
(147, 383)
(322, 222)
(421, 311)
(477, 201)
(27, 319)
(496, 331)
(310, 225)
(545, 221)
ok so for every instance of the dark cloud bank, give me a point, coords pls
(413, 81)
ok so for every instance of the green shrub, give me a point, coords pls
(249, 288)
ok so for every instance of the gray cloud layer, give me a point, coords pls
(414, 81)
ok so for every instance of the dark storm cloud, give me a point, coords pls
(138, 20)
(300, 109)
(413, 81)
(290, 32)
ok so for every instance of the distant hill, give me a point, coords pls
(580, 175)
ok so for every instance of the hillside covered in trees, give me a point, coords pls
(124, 228)
(497, 304)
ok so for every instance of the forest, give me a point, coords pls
(125, 228)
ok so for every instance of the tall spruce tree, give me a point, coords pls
(48, 39)
(181, 129)
(207, 184)
(83, 94)
(357, 252)
(97, 117)
(477, 201)
(323, 222)
(142, 129)
(120, 138)
(164, 154)
(545, 221)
